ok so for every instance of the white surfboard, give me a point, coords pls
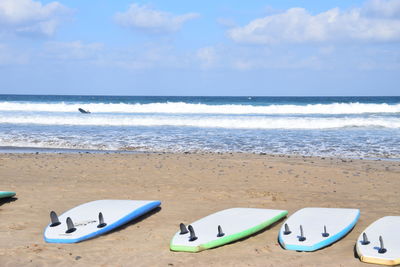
(369, 247)
(85, 221)
(320, 226)
(223, 227)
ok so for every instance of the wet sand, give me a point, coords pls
(190, 186)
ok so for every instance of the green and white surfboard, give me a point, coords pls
(4, 194)
(223, 227)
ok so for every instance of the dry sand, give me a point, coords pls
(190, 186)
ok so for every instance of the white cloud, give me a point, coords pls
(73, 50)
(377, 20)
(207, 56)
(382, 8)
(145, 18)
(30, 17)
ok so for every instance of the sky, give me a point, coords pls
(225, 47)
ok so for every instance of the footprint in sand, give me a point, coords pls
(17, 226)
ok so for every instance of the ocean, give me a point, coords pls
(350, 127)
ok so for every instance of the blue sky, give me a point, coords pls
(278, 47)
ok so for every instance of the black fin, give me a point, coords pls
(301, 237)
(101, 221)
(287, 230)
(193, 236)
(365, 240)
(220, 233)
(70, 226)
(382, 248)
(325, 233)
(183, 229)
(54, 219)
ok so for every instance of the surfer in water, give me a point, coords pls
(84, 111)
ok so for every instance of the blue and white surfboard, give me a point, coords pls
(310, 229)
(94, 218)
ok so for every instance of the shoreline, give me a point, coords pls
(45, 150)
(190, 187)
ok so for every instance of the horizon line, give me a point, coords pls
(100, 95)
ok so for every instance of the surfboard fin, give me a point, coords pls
(193, 236)
(220, 232)
(301, 237)
(287, 230)
(70, 226)
(365, 240)
(325, 233)
(183, 229)
(54, 219)
(101, 221)
(382, 248)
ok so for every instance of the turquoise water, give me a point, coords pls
(367, 127)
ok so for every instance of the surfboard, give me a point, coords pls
(223, 227)
(94, 218)
(4, 194)
(380, 242)
(310, 229)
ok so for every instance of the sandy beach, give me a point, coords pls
(190, 187)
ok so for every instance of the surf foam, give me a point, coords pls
(233, 122)
(188, 108)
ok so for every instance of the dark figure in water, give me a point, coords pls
(84, 111)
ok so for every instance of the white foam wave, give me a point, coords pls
(53, 145)
(188, 108)
(208, 122)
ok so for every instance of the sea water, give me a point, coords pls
(366, 127)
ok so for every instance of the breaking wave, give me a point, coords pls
(188, 108)
(231, 122)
